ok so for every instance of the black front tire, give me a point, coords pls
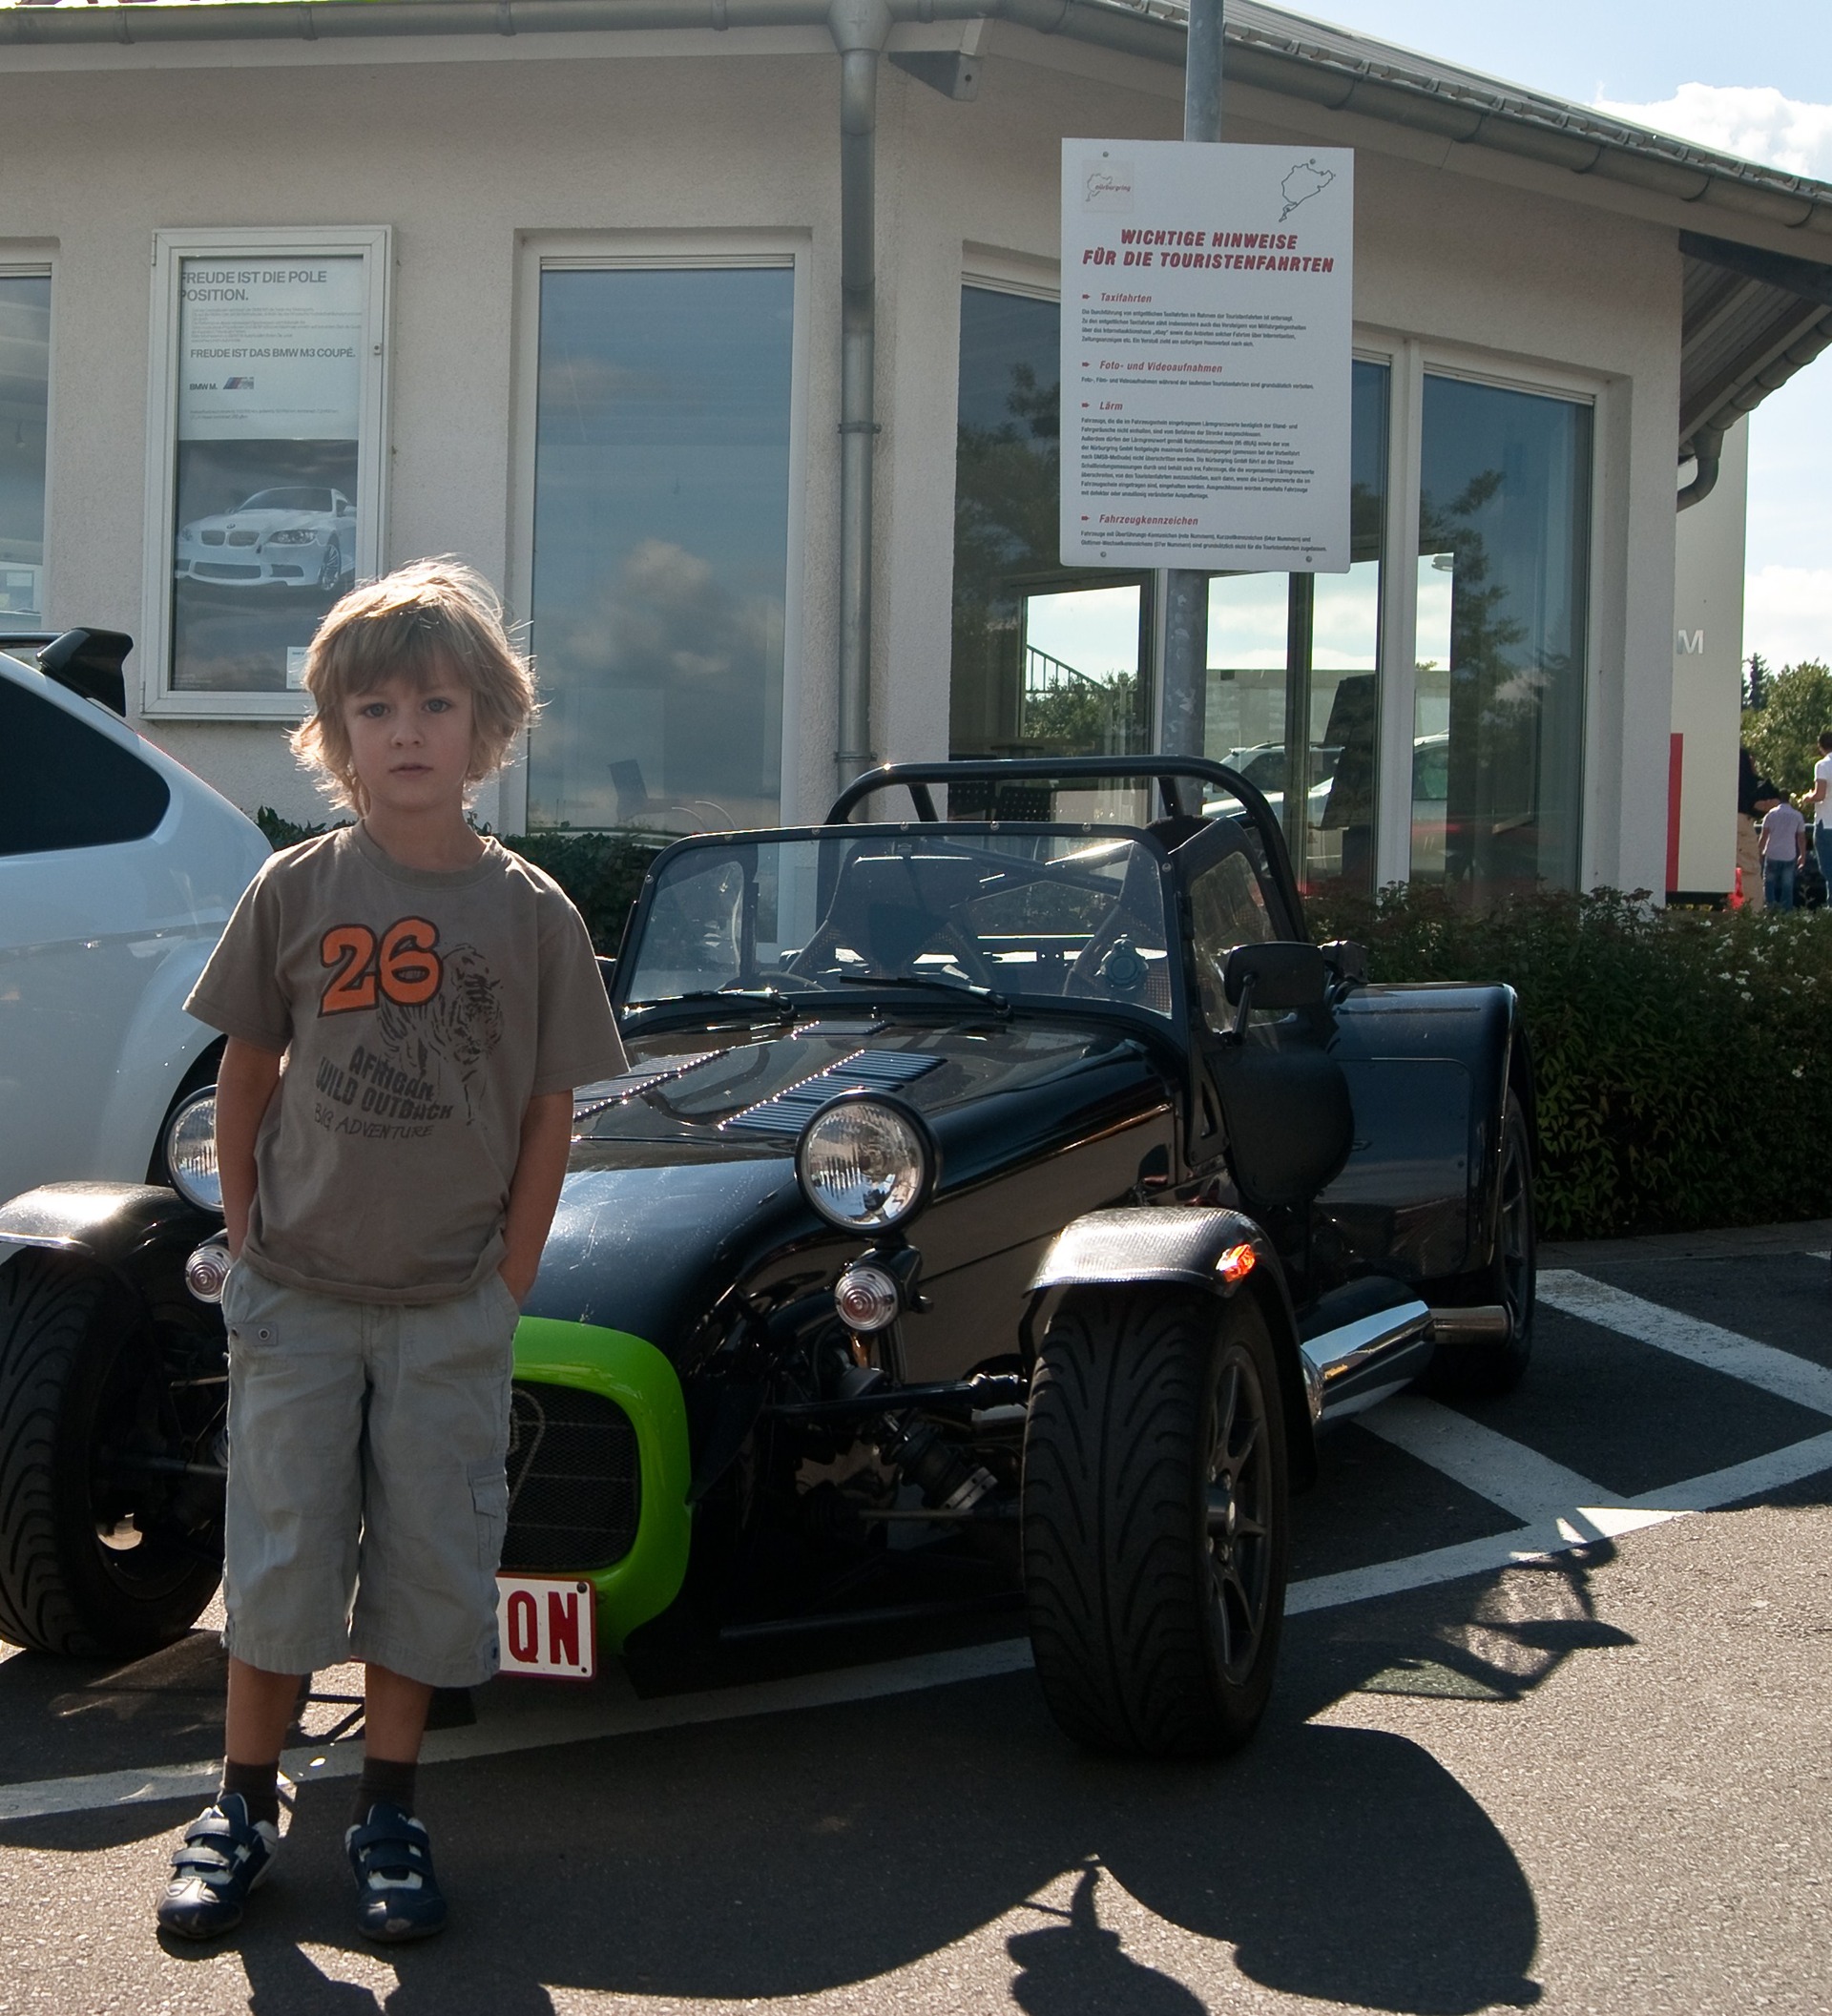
(1155, 1531)
(73, 1373)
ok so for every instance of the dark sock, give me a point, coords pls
(259, 1785)
(382, 1780)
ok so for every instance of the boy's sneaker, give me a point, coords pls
(225, 1854)
(398, 1896)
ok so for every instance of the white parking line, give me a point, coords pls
(1562, 1511)
(516, 1719)
(1507, 1473)
(1781, 1372)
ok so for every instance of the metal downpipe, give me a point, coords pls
(1708, 454)
(1185, 656)
(860, 29)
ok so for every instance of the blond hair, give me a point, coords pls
(428, 619)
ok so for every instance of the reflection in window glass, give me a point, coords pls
(24, 377)
(1504, 520)
(1227, 909)
(661, 524)
(1048, 660)
(1294, 661)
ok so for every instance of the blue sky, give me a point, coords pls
(1755, 80)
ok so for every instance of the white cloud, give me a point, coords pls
(1787, 613)
(1756, 122)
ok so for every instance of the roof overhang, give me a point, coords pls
(1751, 320)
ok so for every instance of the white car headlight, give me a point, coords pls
(298, 537)
(866, 1163)
(191, 1153)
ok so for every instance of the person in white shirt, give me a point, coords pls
(1820, 812)
(1783, 847)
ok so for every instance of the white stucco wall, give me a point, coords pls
(1707, 669)
(468, 149)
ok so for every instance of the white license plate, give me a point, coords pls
(547, 1626)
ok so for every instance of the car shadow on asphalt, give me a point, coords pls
(798, 1853)
(792, 1854)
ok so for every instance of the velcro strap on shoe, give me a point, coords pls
(205, 1857)
(217, 1825)
(384, 1847)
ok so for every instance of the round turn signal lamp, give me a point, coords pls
(867, 1297)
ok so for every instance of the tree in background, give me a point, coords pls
(1782, 737)
(1755, 683)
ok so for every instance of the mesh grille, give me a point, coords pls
(575, 1480)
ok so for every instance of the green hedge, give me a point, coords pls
(1682, 1056)
(601, 872)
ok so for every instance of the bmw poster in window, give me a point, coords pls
(269, 393)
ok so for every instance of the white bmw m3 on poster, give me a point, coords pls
(298, 536)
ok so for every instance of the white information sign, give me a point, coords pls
(1207, 297)
(270, 349)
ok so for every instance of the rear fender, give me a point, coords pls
(139, 1232)
(1181, 1246)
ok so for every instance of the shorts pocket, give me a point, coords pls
(490, 1503)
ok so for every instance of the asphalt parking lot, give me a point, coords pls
(1551, 1730)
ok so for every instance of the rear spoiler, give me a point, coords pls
(87, 661)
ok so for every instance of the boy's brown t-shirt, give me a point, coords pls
(419, 1013)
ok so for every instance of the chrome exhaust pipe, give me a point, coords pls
(1486, 1324)
(1365, 1361)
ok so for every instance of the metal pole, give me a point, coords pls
(1186, 599)
(858, 29)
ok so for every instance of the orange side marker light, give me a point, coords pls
(1237, 1263)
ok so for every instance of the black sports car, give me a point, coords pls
(998, 1205)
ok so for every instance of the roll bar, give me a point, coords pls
(1164, 770)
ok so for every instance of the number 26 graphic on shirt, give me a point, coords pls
(403, 967)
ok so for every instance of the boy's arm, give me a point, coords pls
(245, 1082)
(535, 1189)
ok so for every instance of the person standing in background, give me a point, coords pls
(1821, 809)
(1784, 844)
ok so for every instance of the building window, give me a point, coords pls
(1048, 660)
(267, 457)
(660, 545)
(25, 393)
(1502, 615)
(1294, 666)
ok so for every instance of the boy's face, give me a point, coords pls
(411, 744)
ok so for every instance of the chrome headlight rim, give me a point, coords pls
(929, 1156)
(188, 1149)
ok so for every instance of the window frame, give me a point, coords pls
(45, 268)
(642, 250)
(1414, 360)
(373, 244)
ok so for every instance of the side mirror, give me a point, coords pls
(1281, 975)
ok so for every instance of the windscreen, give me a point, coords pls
(1038, 915)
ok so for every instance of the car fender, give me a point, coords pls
(158, 1048)
(1176, 1245)
(139, 1232)
(1417, 1196)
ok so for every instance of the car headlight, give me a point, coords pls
(191, 1153)
(298, 536)
(866, 1163)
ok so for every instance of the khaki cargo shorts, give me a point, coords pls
(367, 1498)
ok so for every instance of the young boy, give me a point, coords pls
(1783, 847)
(408, 1007)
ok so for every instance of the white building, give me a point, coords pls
(296, 291)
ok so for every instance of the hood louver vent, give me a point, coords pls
(791, 1109)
